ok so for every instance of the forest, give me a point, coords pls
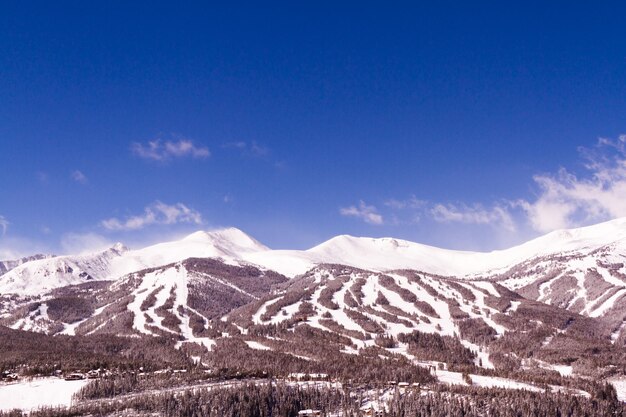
(271, 399)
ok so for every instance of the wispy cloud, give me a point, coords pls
(567, 200)
(162, 151)
(156, 213)
(563, 199)
(4, 225)
(15, 247)
(369, 214)
(252, 148)
(79, 177)
(498, 216)
(77, 243)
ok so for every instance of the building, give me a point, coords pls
(309, 412)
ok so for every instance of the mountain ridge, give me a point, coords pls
(235, 247)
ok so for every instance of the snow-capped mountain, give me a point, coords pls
(331, 308)
(554, 299)
(384, 254)
(6, 266)
(365, 308)
(170, 299)
(38, 276)
(580, 269)
(41, 275)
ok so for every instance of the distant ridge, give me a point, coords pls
(237, 248)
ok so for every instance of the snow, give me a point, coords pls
(32, 394)
(256, 318)
(616, 333)
(487, 286)
(456, 378)
(514, 306)
(620, 386)
(564, 370)
(482, 307)
(608, 304)
(256, 345)
(166, 283)
(36, 321)
(70, 329)
(385, 254)
(482, 357)
(37, 277)
(378, 254)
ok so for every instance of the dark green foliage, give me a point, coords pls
(69, 309)
(44, 354)
(427, 346)
(386, 341)
(476, 331)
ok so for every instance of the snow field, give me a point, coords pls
(29, 395)
(456, 378)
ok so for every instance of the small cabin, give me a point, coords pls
(75, 376)
(308, 377)
(93, 374)
(309, 412)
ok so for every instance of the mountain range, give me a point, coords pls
(553, 299)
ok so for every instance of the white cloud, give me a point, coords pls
(369, 214)
(4, 224)
(156, 213)
(563, 200)
(15, 247)
(476, 214)
(158, 150)
(79, 177)
(9, 252)
(568, 200)
(78, 243)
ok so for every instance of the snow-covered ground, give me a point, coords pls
(564, 370)
(256, 345)
(456, 378)
(29, 395)
(620, 387)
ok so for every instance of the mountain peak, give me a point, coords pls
(229, 237)
(119, 247)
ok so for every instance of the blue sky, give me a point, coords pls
(463, 126)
